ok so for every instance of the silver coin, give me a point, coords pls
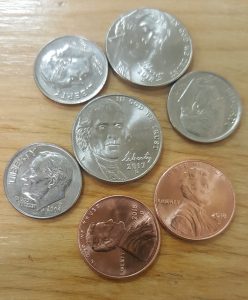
(71, 70)
(117, 138)
(148, 47)
(204, 107)
(42, 181)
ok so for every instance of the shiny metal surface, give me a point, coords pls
(119, 237)
(194, 200)
(42, 181)
(204, 107)
(116, 138)
(148, 47)
(70, 70)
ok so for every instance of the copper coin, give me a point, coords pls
(194, 200)
(119, 237)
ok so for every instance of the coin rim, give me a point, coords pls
(117, 181)
(57, 99)
(17, 154)
(180, 129)
(165, 83)
(155, 255)
(160, 217)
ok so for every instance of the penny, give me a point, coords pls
(116, 138)
(148, 47)
(204, 107)
(42, 181)
(70, 70)
(194, 200)
(119, 237)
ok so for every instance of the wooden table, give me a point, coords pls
(40, 259)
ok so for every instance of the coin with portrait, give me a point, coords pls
(148, 47)
(42, 181)
(204, 107)
(117, 138)
(119, 237)
(70, 70)
(194, 200)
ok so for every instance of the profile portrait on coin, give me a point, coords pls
(202, 108)
(100, 138)
(138, 239)
(46, 179)
(191, 217)
(139, 40)
(67, 66)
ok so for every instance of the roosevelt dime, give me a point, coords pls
(148, 47)
(71, 70)
(194, 200)
(204, 107)
(116, 138)
(42, 181)
(119, 237)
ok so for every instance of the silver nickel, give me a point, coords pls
(148, 47)
(42, 181)
(71, 70)
(117, 138)
(204, 107)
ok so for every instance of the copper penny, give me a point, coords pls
(119, 237)
(194, 200)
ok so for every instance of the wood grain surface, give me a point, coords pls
(40, 259)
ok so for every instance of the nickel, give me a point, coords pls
(117, 138)
(148, 47)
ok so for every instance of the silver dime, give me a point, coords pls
(204, 107)
(148, 47)
(42, 181)
(117, 138)
(71, 70)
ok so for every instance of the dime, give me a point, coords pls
(70, 70)
(194, 200)
(148, 47)
(119, 237)
(204, 107)
(116, 138)
(42, 181)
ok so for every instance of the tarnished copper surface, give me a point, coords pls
(194, 200)
(119, 237)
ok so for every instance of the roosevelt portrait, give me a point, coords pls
(46, 179)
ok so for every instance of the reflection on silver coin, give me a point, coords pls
(148, 47)
(70, 70)
(42, 181)
(204, 107)
(117, 138)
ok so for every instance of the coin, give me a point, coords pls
(119, 237)
(204, 107)
(116, 138)
(148, 47)
(42, 181)
(194, 200)
(70, 70)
